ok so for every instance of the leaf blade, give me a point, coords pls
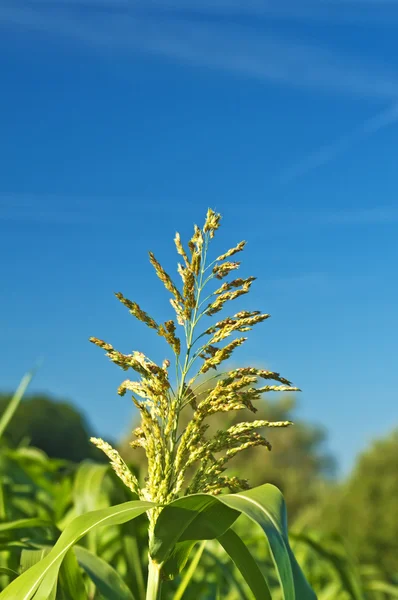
(42, 576)
(195, 517)
(244, 561)
(15, 401)
(107, 580)
(265, 506)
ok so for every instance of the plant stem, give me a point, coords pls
(154, 585)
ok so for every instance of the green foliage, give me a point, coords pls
(227, 567)
(41, 578)
(365, 507)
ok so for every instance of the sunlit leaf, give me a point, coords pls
(266, 507)
(196, 517)
(15, 400)
(42, 576)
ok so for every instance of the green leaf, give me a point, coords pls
(15, 400)
(88, 495)
(134, 563)
(108, 581)
(266, 507)
(8, 572)
(71, 583)
(239, 553)
(196, 517)
(42, 576)
(225, 572)
(177, 559)
(23, 523)
(87, 487)
(189, 572)
(32, 557)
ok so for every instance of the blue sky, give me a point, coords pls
(122, 121)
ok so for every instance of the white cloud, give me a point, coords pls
(222, 46)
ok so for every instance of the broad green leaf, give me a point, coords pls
(32, 557)
(266, 507)
(196, 517)
(42, 577)
(239, 553)
(71, 583)
(15, 400)
(108, 581)
(189, 572)
(87, 487)
(88, 495)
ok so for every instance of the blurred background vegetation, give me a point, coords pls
(334, 521)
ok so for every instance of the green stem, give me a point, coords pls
(189, 338)
(154, 585)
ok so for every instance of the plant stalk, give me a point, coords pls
(154, 585)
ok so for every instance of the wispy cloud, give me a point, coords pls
(342, 145)
(312, 10)
(379, 215)
(353, 11)
(223, 46)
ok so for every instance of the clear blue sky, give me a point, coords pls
(122, 121)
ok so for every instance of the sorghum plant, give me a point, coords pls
(183, 492)
(160, 402)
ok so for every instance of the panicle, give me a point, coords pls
(242, 321)
(137, 312)
(212, 222)
(224, 297)
(179, 310)
(165, 278)
(189, 292)
(238, 248)
(221, 354)
(224, 269)
(180, 249)
(125, 361)
(172, 454)
(168, 332)
(118, 465)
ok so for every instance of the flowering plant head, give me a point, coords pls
(191, 462)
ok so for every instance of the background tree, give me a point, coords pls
(57, 428)
(364, 508)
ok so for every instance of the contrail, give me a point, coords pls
(328, 152)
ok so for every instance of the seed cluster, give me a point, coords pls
(191, 461)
